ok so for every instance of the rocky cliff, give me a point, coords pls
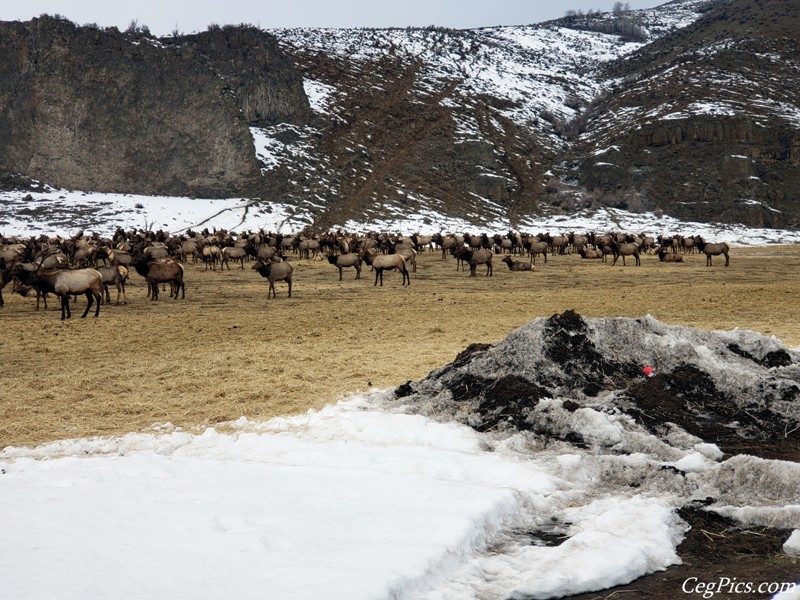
(91, 109)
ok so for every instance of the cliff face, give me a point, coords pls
(264, 81)
(90, 109)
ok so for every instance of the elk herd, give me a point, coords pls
(89, 264)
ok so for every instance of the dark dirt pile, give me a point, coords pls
(579, 386)
(738, 390)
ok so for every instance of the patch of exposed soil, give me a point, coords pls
(715, 550)
(689, 398)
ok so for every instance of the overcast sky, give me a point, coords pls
(162, 17)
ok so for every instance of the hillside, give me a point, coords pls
(685, 109)
(706, 120)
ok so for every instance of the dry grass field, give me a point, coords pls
(226, 351)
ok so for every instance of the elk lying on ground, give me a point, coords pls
(518, 265)
(589, 253)
(342, 261)
(62, 283)
(664, 256)
(275, 271)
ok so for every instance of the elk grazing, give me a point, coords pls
(63, 283)
(713, 250)
(162, 270)
(342, 261)
(387, 262)
(275, 271)
(517, 265)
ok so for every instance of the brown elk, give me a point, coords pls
(342, 261)
(5, 277)
(211, 254)
(664, 256)
(537, 247)
(275, 271)
(591, 254)
(118, 276)
(623, 250)
(479, 257)
(386, 262)
(63, 283)
(713, 250)
(162, 270)
(517, 265)
(409, 254)
(233, 253)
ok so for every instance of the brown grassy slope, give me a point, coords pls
(227, 351)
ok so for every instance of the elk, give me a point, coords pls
(592, 254)
(517, 265)
(342, 261)
(5, 277)
(663, 256)
(713, 250)
(62, 283)
(623, 250)
(309, 248)
(162, 270)
(275, 271)
(211, 254)
(233, 253)
(117, 276)
(475, 258)
(387, 262)
(448, 244)
(409, 254)
(538, 247)
(41, 293)
(119, 257)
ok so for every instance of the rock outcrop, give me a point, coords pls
(99, 110)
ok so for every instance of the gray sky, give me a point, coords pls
(164, 16)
